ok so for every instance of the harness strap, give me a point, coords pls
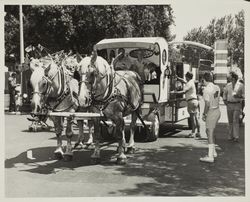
(58, 101)
(109, 89)
(116, 95)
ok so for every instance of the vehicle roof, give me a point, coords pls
(142, 42)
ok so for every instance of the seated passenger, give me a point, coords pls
(140, 66)
(122, 62)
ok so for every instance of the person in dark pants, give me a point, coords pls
(12, 86)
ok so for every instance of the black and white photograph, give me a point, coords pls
(124, 99)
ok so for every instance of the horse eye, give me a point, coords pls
(42, 84)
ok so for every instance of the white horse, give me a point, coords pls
(54, 88)
(116, 94)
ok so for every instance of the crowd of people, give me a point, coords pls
(233, 97)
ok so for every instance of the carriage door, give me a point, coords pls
(165, 76)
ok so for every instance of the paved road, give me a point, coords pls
(167, 167)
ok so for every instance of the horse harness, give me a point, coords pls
(65, 91)
(111, 91)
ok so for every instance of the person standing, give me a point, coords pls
(232, 97)
(211, 114)
(12, 91)
(192, 103)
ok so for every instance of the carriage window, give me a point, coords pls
(146, 64)
(103, 54)
(152, 73)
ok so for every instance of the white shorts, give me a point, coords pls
(213, 117)
(193, 106)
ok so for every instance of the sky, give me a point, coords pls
(193, 13)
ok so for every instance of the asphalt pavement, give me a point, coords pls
(169, 166)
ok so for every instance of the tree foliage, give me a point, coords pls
(228, 27)
(79, 27)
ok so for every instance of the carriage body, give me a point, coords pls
(158, 104)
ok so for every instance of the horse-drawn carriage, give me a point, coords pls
(158, 104)
(110, 94)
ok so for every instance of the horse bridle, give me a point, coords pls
(48, 80)
(93, 96)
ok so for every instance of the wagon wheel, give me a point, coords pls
(153, 132)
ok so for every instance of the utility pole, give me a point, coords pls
(21, 48)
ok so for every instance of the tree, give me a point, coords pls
(228, 27)
(79, 27)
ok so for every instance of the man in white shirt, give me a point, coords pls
(192, 103)
(233, 96)
(211, 115)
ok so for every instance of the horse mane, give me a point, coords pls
(100, 63)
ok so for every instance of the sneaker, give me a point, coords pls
(207, 159)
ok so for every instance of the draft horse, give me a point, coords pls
(114, 93)
(56, 90)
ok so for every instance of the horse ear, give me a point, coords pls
(32, 64)
(46, 71)
(78, 57)
(94, 55)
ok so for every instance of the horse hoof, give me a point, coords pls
(95, 161)
(67, 157)
(130, 150)
(121, 161)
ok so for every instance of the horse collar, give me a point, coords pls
(108, 91)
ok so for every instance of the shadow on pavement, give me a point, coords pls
(177, 171)
(44, 162)
(169, 170)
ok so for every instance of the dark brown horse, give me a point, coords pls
(115, 93)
